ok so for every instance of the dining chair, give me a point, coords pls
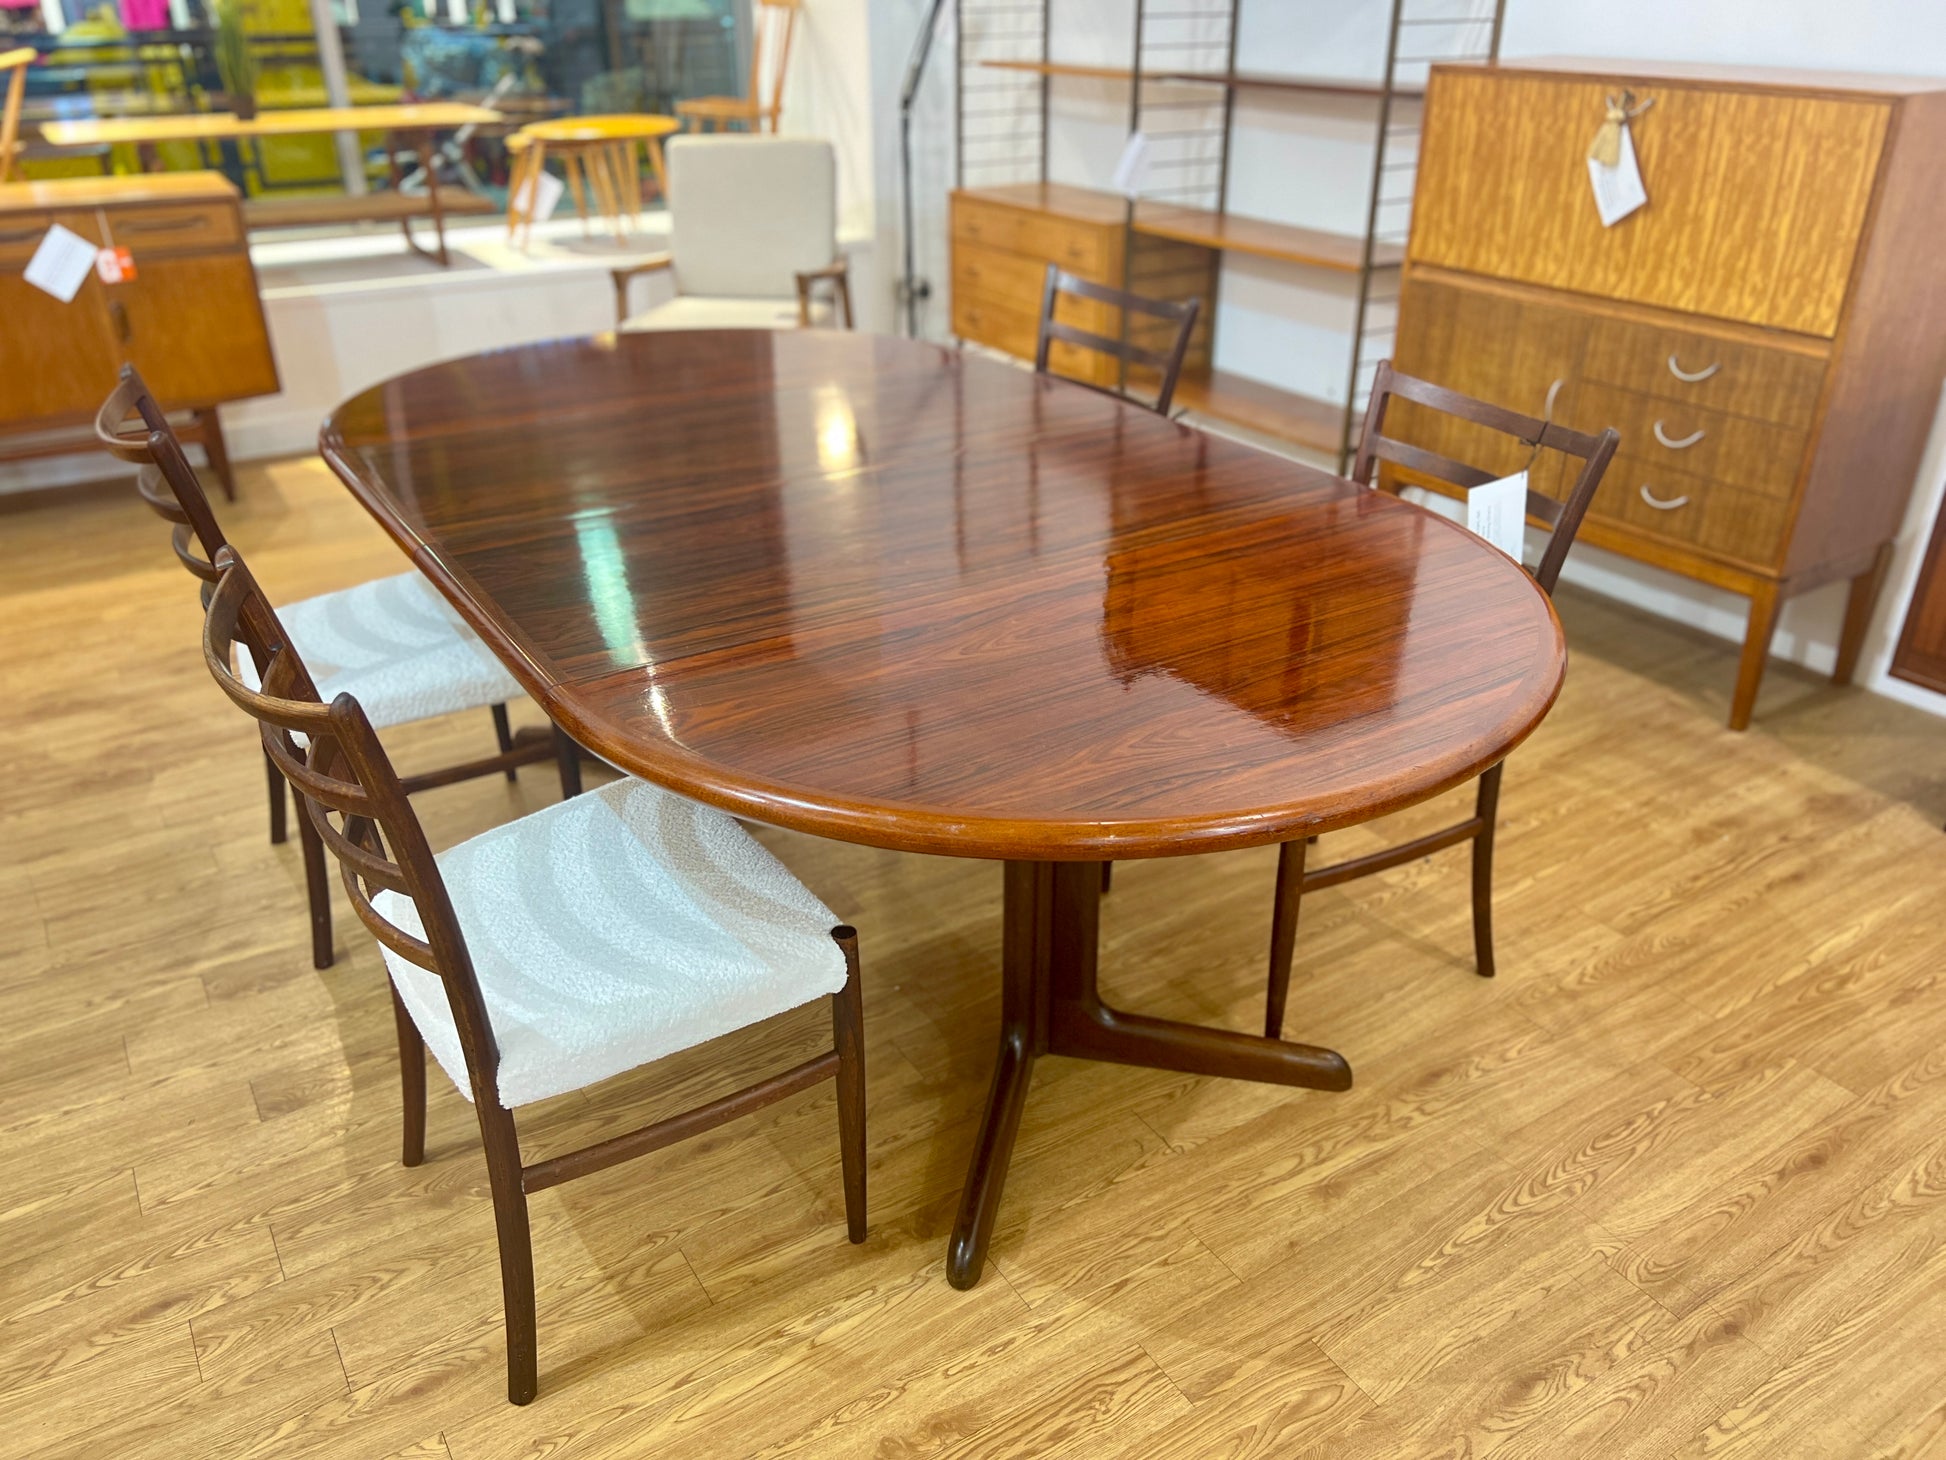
(15, 62)
(394, 641)
(553, 952)
(753, 229)
(1563, 520)
(773, 22)
(1176, 315)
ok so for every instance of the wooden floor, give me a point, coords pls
(1674, 1184)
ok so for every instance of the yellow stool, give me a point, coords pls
(597, 163)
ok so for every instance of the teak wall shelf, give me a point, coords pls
(1010, 220)
(1768, 334)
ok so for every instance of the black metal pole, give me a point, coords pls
(915, 73)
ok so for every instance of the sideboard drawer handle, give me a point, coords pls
(162, 225)
(1692, 376)
(1688, 441)
(20, 235)
(1661, 506)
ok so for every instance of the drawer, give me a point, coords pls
(996, 275)
(1517, 351)
(1753, 455)
(1693, 510)
(988, 223)
(1006, 328)
(1705, 370)
(1082, 248)
(21, 234)
(179, 228)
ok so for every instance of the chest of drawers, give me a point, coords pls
(190, 319)
(1768, 334)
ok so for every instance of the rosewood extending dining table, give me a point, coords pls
(876, 590)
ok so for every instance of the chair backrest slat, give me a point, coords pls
(1167, 362)
(335, 763)
(1563, 517)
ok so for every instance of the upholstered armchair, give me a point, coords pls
(753, 230)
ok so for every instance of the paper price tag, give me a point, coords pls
(60, 265)
(1497, 512)
(1619, 190)
(539, 197)
(1132, 168)
(114, 265)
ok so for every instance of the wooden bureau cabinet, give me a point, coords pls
(190, 320)
(1768, 334)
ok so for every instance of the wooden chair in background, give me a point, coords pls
(1563, 519)
(15, 62)
(1166, 363)
(393, 641)
(506, 953)
(773, 22)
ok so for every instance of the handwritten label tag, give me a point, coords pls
(1618, 190)
(115, 265)
(1498, 513)
(61, 263)
(1132, 168)
(538, 198)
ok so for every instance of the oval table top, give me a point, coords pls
(877, 590)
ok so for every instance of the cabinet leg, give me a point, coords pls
(210, 429)
(1858, 614)
(1764, 606)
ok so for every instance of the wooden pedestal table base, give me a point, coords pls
(1050, 1005)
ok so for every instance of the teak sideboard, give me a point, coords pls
(190, 319)
(1768, 334)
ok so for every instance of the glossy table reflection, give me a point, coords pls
(875, 590)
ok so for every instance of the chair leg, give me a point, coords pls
(412, 1080)
(504, 733)
(279, 830)
(567, 755)
(848, 1036)
(516, 1250)
(1487, 808)
(1283, 934)
(317, 888)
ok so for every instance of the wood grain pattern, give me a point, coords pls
(1921, 652)
(1503, 191)
(1717, 1027)
(291, 122)
(906, 639)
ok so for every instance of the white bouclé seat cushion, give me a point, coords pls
(613, 929)
(395, 645)
(689, 312)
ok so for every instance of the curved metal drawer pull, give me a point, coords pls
(1553, 393)
(1661, 506)
(1690, 440)
(1692, 377)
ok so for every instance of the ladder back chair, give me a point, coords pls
(393, 641)
(554, 952)
(1563, 520)
(1176, 316)
(772, 25)
(13, 65)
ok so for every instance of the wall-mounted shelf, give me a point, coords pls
(1233, 233)
(1301, 420)
(1236, 80)
(1182, 85)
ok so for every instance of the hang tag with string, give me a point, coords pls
(1497, 512)
(1613, 171)
(1132, 168)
